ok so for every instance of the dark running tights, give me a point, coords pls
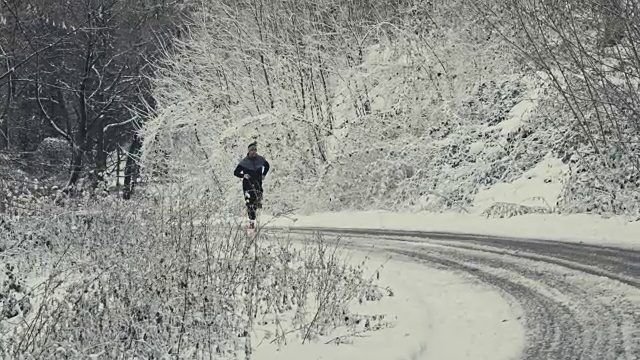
(252, 201)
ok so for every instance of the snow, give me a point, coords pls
(575, 228)
(520, 113)
(540, 186)
(437, 315)
(34, 289)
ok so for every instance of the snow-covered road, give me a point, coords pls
(574, 301)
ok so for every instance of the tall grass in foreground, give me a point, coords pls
(164, 278)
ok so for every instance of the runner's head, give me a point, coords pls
(253, 149)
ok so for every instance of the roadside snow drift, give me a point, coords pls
(577, 228)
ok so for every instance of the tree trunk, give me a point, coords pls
(4, 133)
(81, 145)
(76, 168)
(80, 136)
(4, 112)
(131, 169)
(118, 160)
(101, 155)
(4, 117)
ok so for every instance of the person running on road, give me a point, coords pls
(252, 170)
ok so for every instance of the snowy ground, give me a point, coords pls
(488, 299)
(435, 315)
(531, 299)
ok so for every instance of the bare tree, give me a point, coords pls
(79, 70)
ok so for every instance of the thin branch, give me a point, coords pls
(52, 45)
(123, 123)
(51, 121)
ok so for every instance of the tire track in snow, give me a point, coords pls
(536, 305)
(575, 297)
(615, 263)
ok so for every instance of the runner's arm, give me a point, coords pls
(265, 167)
(238, 172)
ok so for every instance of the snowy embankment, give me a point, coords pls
(494, 211)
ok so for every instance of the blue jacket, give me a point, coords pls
(257, 167)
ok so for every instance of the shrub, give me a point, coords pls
(164, 278)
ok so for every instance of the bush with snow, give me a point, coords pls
(163, 277)
(54, 154)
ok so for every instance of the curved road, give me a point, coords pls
(579, 301)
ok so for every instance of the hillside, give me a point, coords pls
(442, 116)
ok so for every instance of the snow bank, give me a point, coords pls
(540, 187)
(596, 230)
